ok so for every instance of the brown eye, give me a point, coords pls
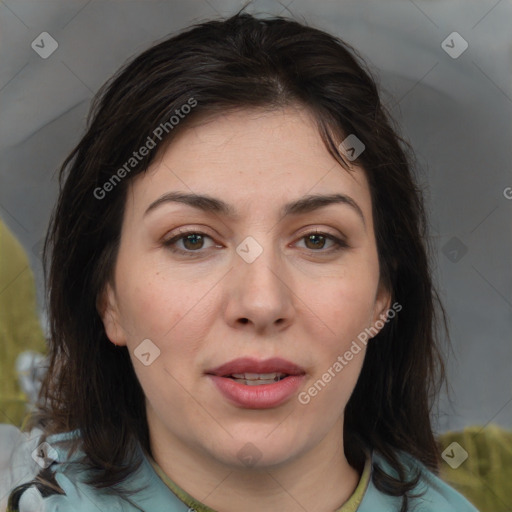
(317, 241)
(192, 242)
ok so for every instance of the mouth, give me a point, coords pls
(254, 384)
(254, 372)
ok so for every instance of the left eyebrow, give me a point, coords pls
(310, 203)
(301, 206)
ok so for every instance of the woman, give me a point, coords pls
(242, 313)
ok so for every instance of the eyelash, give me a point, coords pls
(339, 244)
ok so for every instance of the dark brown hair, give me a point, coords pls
(237, 63)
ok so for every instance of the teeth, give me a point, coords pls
(257, 379)
(259, 376)
(255, 382)
(247, 376)
(271, 376)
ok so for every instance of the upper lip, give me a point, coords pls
(250, 365)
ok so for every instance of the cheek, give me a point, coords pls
(169, 316)
(148, 302)
(148, 308)
(346, 305)
(328, 392)
(174, 314)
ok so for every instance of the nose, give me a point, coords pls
(260, 295)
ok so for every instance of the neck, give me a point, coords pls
(320, 479)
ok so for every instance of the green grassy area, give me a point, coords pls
(20, 329)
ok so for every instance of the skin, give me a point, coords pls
(303, 302)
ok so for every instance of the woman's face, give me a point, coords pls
(263, 281)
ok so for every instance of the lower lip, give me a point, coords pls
(263, 396)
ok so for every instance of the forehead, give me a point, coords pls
(251, 158)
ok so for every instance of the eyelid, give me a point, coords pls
(319, 231)
(200, 230)
(182, 233)
(339, 242)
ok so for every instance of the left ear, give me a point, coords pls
(382, 305)
(108, 310)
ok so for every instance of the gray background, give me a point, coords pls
(456, 112)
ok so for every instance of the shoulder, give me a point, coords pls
(16, 463)
(430, 495)
(68, 475)
(28, 457)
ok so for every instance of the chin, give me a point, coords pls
(258, 452)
